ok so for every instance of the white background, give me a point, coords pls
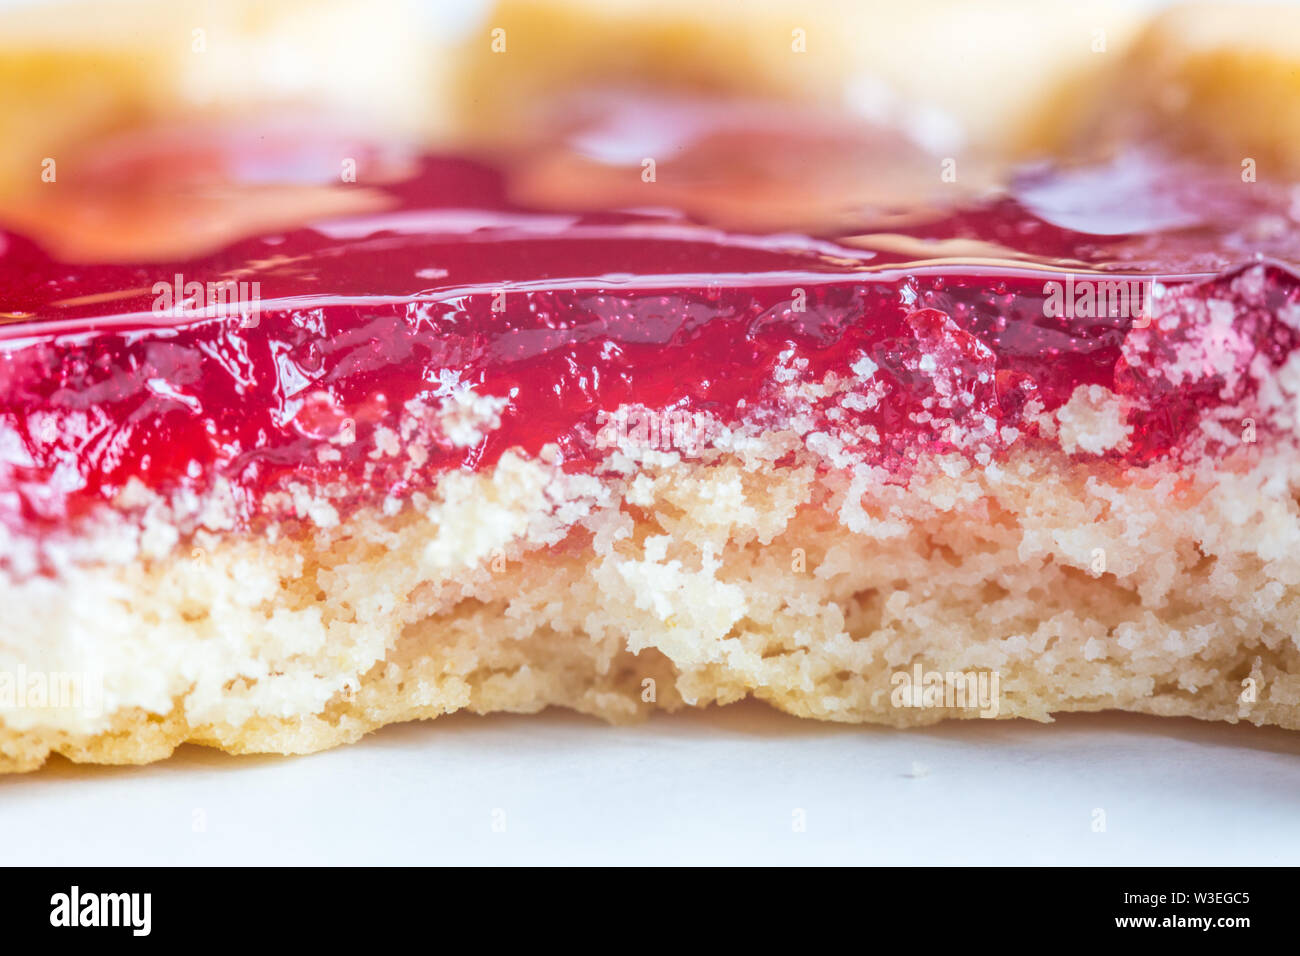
(718, 786)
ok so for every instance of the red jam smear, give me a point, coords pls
(365, 322)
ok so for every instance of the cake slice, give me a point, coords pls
(649, 391)
(455, 450)
(74, 70)
(1219, 81)
(1001, 75)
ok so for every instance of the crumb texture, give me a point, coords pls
(687, 584)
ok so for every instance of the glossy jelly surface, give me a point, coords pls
(367, 333)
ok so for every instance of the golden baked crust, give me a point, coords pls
(74, 71)
(1216, 81)
(1002, 78)
(1008, 78)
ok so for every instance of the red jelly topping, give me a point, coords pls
(368, 330)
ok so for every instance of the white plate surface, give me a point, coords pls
(729, 785)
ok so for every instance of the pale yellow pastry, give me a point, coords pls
(1221, 81)
(1000, 77)
(72, 70)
